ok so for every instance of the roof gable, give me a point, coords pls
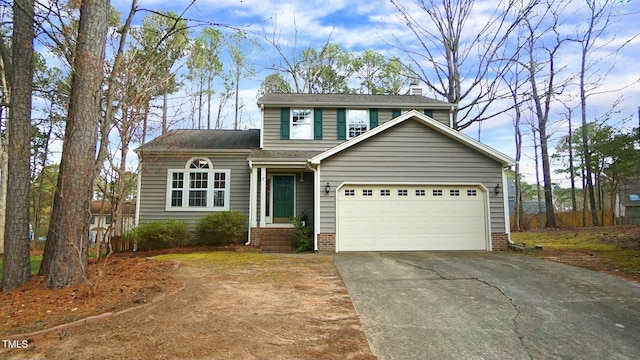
(427, 121)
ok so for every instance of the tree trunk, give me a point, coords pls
(572, 170)
(16, 268)
(69, 228)
(539, 197)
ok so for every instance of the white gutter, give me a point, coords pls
(451, 110)
(505, 198)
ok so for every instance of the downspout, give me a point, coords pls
(251, 195)
(505, 198)
(316, 206)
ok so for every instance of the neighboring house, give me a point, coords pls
(101, 216)
(371, 172)
(628, 202)
(528, 206)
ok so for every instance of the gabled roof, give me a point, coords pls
(185, 140)
(353, 100)
(427, 121)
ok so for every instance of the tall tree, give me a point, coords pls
(241, 47)
(16, 268)
(460, 59)
(599, 18)
(72, 203)
(204, 65)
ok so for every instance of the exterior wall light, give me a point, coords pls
(327, 188)
(496, 190)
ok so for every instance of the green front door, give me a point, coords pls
(282, 198)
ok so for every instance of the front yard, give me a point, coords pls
(613, 250)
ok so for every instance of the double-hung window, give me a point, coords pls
(357, 122)
(302, 124)
(198, 187)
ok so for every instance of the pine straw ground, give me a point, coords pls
(228, 305)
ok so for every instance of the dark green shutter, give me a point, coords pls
(317, 124)
(373, 118)
(342, 124)
(395, 113)
(284, 123)
(428, 112)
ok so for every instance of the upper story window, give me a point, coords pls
(302, 124)
(357, 122)
(198, 187)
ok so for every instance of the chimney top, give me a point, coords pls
(414, 89)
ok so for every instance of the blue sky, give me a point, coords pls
(356, 26)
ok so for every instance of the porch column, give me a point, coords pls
(263, 196)
(253, 195)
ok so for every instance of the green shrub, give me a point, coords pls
(159, 235)
(220, 228)
(302, 232)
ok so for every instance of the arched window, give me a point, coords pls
(199, 163)
(198, 187)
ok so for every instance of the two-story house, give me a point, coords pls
(371, 172)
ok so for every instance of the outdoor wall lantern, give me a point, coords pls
(327, 188)
(497, 189)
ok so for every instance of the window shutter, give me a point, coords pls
(373, 118)
(428, 112)
(342, 124)
(395, 113)
(284, 123)
(317, 123)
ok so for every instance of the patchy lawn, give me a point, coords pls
(234, 305)
(613, 250)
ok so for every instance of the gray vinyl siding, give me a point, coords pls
(153, 190)
(271, 129)
(410, 152)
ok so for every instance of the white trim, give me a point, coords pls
(187, 165)
(139, 187)
(366, 118)
(316, 207)
(311, 125)
(261, 126)
(263, 196)
(435, 125)
(210, 190)
(487, 202)
(253, 194)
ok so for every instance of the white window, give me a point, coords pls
(349, 192)
(472, 193)
(357, 122)
(198, 187)
(437, 192)
(302, 124)
(420, 192)
(402, 192)
(367, 192)
(385, 192)
(454, 192)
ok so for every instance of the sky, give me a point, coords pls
(359, 25)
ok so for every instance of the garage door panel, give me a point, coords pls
(405, 218)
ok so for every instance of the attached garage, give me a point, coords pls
(399, 217)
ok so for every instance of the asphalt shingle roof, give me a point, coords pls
(185, 139)
(349, 100)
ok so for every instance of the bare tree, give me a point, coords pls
(458, 59)
(72, 203)
(16, 268)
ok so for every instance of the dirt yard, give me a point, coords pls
(225, 305)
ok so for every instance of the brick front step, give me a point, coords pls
(275, 239)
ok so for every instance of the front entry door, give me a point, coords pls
(283, 198)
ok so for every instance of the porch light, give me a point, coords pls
(327, 188)
(496, 190)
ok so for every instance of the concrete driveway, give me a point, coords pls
(482, 305)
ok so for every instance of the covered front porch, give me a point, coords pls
(281, 188)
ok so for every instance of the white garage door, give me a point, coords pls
(411, 217)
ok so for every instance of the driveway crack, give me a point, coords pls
(514, 319)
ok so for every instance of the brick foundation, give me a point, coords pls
(499, 241)
(327, 242)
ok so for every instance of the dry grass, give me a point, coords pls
(614, 249)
